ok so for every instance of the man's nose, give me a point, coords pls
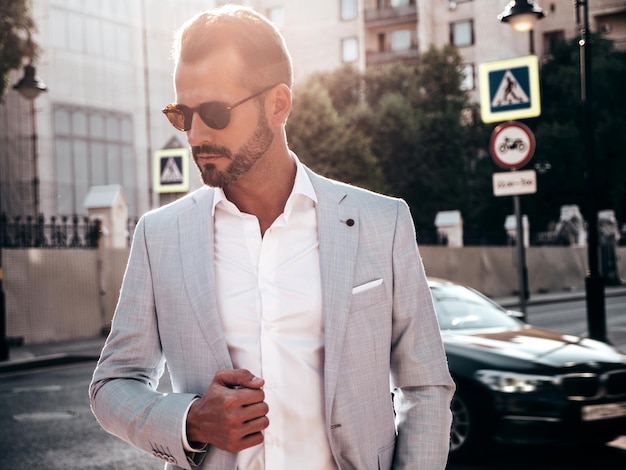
(199, 131)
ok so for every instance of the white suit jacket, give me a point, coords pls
(376, 339)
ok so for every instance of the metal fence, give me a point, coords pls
(58, 232)
(432, 236)
(81, 232)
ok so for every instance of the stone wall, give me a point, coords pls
(58, 295)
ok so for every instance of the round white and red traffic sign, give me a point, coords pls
(512, 145)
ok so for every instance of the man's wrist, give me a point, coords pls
(191, 447)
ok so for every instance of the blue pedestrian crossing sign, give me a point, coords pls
(171, 171)
(509, 89)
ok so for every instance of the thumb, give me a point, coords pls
(239, 378)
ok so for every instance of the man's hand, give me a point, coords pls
(231, 414)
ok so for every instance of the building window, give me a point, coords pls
(92, 148)
(551, 40)
(467, 71)
(277, 16)
(401, 40)
(462, 33)
(107, 37)
(350, 49)
(348, 9)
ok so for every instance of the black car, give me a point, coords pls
(520, 384)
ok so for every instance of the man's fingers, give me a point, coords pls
(239, 378)
(253, 432)
(248, 434)
(232, 414)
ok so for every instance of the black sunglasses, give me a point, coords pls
(214, 114)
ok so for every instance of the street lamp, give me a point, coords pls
(528, 11)
(522, 16)
(29, 87)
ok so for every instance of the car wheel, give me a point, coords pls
(469, 427)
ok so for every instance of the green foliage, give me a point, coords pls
(393, 78)
(395, 128)
(439, 82)
(329, 144)
(15, 22)
(343, 86)
(560, 129)
(409, 131)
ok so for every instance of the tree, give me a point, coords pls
(410, 131)
(327, 142)
(426, 134)
(407, 130)
(559, 132)
(15, 44)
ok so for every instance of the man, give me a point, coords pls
(287, 306)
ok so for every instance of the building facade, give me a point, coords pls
(108, 71)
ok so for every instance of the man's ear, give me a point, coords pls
(280, 104)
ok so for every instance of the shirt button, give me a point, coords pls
(271, 440)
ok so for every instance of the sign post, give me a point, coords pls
(512, 146)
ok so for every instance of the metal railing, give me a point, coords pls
(390, 13)
(59, 232)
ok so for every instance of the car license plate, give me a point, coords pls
(606, 411)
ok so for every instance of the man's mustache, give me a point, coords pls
(210, 149)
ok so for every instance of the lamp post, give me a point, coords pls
(29, 87)
(594, 281)
(522, 12)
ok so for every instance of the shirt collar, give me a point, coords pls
(301, 186)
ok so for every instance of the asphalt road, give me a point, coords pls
(46, 423)
(571, 317)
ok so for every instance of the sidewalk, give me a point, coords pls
(32, 356)
(512, 302)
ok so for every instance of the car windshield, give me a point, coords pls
(461, 308)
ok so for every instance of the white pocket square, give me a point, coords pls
(367, 286)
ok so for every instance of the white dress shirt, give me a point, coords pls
(270, 302)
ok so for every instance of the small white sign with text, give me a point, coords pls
(512, 183)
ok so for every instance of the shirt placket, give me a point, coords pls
(270, 344)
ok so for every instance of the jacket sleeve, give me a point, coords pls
(420, 378)
(123, 392)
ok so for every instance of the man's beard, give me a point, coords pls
(249, 153)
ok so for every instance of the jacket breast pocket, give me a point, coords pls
(367, 294)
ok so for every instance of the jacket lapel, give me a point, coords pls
(338, 228)
(195, 227)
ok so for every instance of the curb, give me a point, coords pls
(509, 302)
(50, 360)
